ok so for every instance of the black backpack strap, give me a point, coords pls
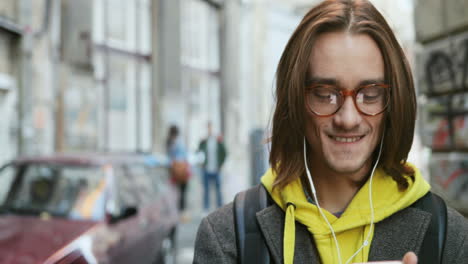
(432, 247)
(251, 247)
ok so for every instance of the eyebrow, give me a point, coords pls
(329, 81)
(371, 81)
(336, 82)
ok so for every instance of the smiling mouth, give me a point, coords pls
(346, 139)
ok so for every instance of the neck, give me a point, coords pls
(335, 190)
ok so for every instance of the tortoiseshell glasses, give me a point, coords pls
(325, 100)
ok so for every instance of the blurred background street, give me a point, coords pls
(187, 230)
(110, 77)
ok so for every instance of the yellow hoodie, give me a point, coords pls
(352, 227)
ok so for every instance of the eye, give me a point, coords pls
(371, 94)
(324, 94)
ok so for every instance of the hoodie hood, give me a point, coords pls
(353, 227)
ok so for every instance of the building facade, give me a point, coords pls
(113, 75)
(11, 35)
(106, 75)
(442, 75)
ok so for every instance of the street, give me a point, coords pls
(186, 231)
(185, 236)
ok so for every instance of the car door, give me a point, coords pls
(165, 199)
(131, 229)
(149, 209)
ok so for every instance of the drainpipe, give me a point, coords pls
(25, 84)
(45, 20)
(106, 92)
(138, 93)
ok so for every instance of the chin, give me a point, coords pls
(346, 166)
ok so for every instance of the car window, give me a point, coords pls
(34, 190)
(64, 191)
(126, 189)
(142, 182)
(7, 175)
(89, 193)
(159, 178)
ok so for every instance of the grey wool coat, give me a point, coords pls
(393, 237)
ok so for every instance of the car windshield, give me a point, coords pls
(75, 192)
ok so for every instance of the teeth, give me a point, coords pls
(346, 140)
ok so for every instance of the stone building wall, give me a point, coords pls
(442, 77)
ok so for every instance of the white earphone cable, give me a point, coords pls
(318, 204)
(312, 187)
(371, 204)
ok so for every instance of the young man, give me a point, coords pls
(215, 153)
(343, 126)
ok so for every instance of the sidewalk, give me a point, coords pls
(185, 237)
(186, 231)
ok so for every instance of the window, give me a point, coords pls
(70, 192)
(200, 57)
(7, 175)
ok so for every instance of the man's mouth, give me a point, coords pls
(345, 139)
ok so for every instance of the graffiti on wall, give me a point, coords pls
(446, 69)
(450, 177)
(443, 82)
(443, 75)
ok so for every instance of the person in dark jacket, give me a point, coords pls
(343, 126)
(214, 151)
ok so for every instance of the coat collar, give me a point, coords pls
(271, 221)
(394, 236)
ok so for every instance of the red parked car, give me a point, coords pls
(87, 208)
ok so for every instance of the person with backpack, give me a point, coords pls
(339, 189)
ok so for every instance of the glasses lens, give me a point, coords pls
(372, 99)
(323, 100)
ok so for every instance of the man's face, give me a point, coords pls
(345, 141)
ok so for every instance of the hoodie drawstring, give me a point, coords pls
(289, 233)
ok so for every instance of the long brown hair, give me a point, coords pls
(171, 136)
(288, 124)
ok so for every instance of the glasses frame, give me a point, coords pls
(345, 93)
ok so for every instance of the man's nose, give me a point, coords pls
(348, 117)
